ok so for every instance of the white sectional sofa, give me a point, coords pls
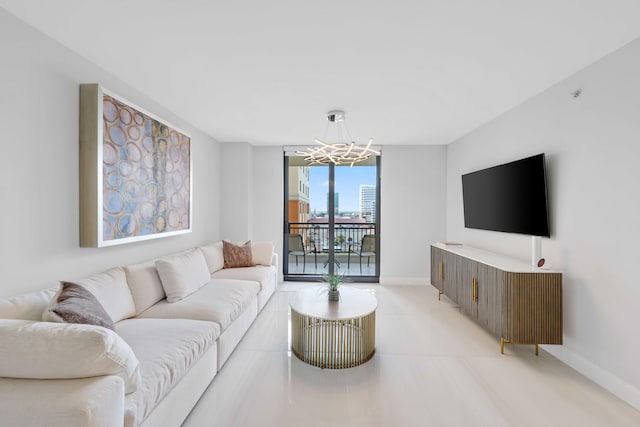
(173, 331)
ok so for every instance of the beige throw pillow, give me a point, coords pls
(262, 253)
(237, 255)
(75, 304)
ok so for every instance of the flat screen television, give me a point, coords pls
(511, 198)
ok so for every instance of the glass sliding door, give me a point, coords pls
(356, 220)
(304, 240)
(331, 222)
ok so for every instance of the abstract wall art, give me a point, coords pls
(135, 172)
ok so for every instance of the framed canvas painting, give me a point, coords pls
(135, 172)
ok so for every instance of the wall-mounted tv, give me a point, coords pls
(511, 197)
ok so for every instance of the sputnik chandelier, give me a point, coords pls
(343, 152)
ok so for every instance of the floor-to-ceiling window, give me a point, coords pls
(332, 220)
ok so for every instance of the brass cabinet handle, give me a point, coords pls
(473, 289)
(441, 265)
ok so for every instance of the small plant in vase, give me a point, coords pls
(333, 281)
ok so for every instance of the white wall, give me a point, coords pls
(236, 176)
(252, 194)
(268, 197)
(592, 145)
(39, 97)
(412, 204)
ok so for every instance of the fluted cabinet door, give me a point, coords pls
(437, 268)
(482, 303)
(451, 279)
(532, 308)
(490, 289)
(467, 270)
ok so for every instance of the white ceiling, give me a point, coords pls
(405, 71)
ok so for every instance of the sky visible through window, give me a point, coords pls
(348, 182)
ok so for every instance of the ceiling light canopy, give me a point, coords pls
(343, 152)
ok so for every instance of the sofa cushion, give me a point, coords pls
(259, 273)
(145, 285)
(237, 255)
(27, 306)
(183, 274)
(75, 304)
(112, 291)
(166, 348)
(44, 350)
(81, 402)
(213, 255)
(220, 301)
(262, 253)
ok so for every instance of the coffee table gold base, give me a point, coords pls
(333, 344)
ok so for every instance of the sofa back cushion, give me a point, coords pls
(112, 291)
(144, 284)
(44, 350)
(214, 256)
(27, 306)
(181, 275)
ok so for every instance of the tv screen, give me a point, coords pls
(511, 197)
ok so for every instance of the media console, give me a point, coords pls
(516, 302)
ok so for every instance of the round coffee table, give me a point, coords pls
(333, 334)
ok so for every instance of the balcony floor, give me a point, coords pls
(351, 268)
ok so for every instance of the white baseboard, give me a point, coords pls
(607, 380)
(404, 281)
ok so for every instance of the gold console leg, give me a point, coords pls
(536, 349)
(439, 293)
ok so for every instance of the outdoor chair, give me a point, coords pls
(297, 248)
(367, 249)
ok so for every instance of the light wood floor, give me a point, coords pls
(433, 367)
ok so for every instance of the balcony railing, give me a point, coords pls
(316, 236)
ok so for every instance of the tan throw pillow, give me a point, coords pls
(237, 255)
(75, 304)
